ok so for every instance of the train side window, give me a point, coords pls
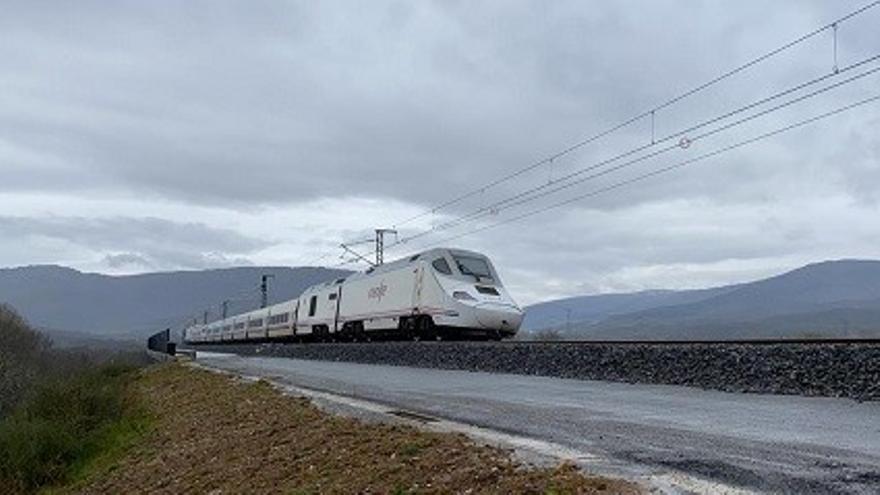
(442, 266)
(332, 296)
(313, 305)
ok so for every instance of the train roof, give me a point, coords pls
(430, 253)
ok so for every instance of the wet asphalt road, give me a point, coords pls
(760, 442)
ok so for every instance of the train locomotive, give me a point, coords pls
(435, 294)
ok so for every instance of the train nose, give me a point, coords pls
(499, 316)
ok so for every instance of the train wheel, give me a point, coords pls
(407, 329)
(425, 329)
(357, 332)
(347, 334)
(323, 334)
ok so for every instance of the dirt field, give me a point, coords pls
(216, 435)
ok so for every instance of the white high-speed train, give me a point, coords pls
(433, 294)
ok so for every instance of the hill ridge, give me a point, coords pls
(59, 298)
(845, 286)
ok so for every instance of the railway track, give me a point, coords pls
(817, 367)
(835, 341)
(756, 342)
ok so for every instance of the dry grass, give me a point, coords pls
(215, 435)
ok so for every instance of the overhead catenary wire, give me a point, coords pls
(574, 178)
(326, 255)
(351, 261)
(566, 181)
(318, 259)
(664, 170)
(330, 254)
(833, 25)
(248, 294)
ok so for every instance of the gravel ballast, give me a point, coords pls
(849, 370)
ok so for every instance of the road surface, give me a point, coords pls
(756, 442)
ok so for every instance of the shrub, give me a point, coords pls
(83, 404)
(62, 425)
(58, 409)
(22, 358)
(35, 452)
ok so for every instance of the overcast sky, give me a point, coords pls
(143, 136)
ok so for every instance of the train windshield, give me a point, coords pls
(474, 267)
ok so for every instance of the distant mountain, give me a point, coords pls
(62, 300)
(584, 310)
(834, 298)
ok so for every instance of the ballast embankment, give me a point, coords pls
(837, 369)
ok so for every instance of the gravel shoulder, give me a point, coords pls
(826, 370)
(214, 434)
(766, 443)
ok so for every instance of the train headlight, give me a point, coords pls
(463, 296)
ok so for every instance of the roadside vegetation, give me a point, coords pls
(62, 412)
(215, 434)
(76, 422)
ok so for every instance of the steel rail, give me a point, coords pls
(773, 341)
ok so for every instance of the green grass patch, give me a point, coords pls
(410, 450)
(110, 444)
(68, 429)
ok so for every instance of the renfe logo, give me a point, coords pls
(377, 292)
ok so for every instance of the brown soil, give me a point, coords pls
(216, 435)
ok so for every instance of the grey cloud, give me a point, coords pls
(152, 243)
(223, 104)
(171, 258)
(196, 260)
(123, 260)
(110, 232)
(226, 104)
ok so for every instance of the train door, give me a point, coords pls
(313, 305)
(336, 300)
(419, 273)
